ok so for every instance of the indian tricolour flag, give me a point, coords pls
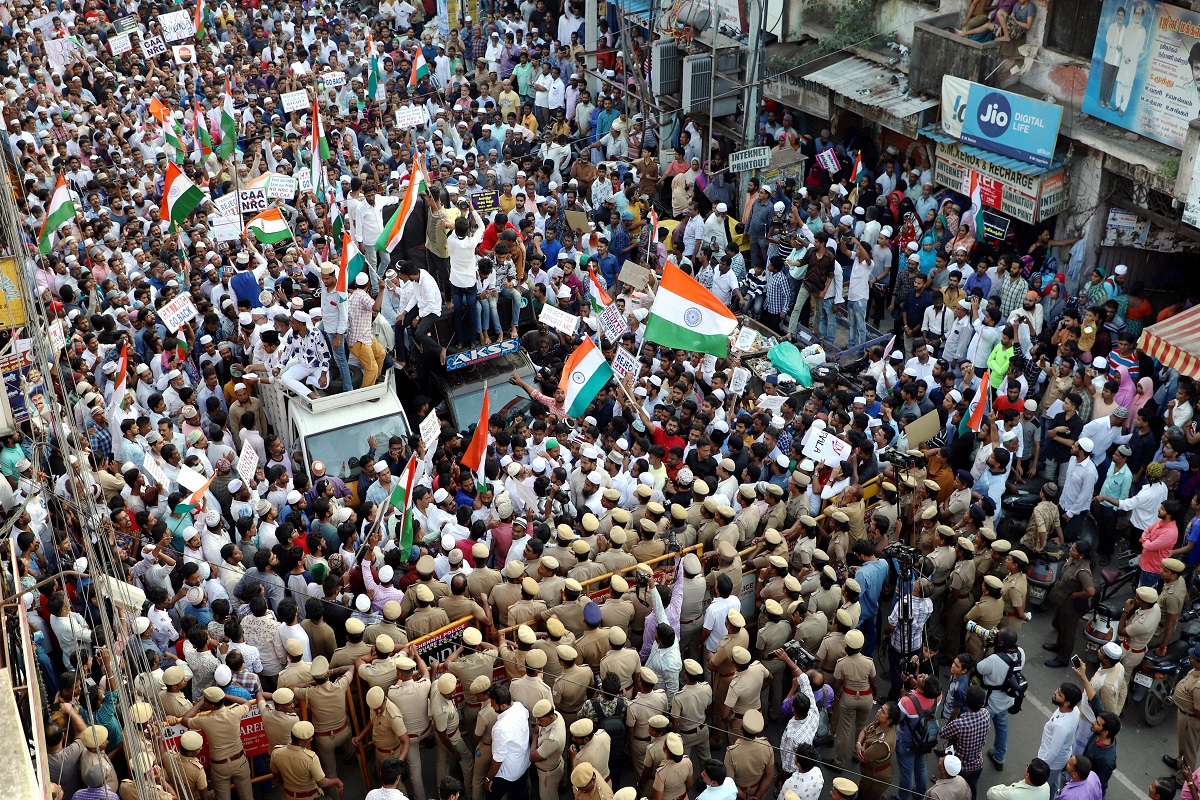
(118, 396)
(60, 211)
(420, 69)
(392, 232)
(974, 216)
(198, 19)
(228, 124)
(269, 227)
(981, 406)
(600, 298)
(352, 264)
(583, 377)
(686, 315)
(203, 140)
(401, 500)
(180, 195)
(476, 453)
(337, 223)
(195, 499)
(857, 169)
(320, 148)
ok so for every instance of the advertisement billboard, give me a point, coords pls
(1002, 122)
(1028, 198)
(1144, 71)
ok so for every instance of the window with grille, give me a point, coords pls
(1071, 26)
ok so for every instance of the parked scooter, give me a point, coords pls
(1107, 604)
(1155, 679)
(1045, 568)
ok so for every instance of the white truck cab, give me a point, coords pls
(334, 428)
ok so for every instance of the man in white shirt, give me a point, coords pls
(1058, 737)
(365, 226)
(1078, 489)
(389, 776)
(510, 745)
(426, 302)
(1033, 787)
(725, 285)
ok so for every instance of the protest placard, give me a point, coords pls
(624, 363)
(745, 339)
(247, 462)
(823, 447)
(771, 402)
(332, 80)
(121, 43)
(304, 181)
(558, 319)
(828, 161)
(486, 203)
(153, 46)
(151, 468)
(430, 428)
(253, 200)
(226, 205)
(177, 312)
(59, 51)
(282, 187)
(184, 53)
(409, 116)
(188, 478)
(176, 25)
(294, 101)
(612, 323)
(253, 735)
(737, 383)
(227, 229)
(58, 340)
(125, 24)
(635, 275)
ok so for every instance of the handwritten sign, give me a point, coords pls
(745, 339)
(225, 229)
(409, 117)
(430, 428)
(226, 205)
(247, 463)
(253, 200)
(151, 468)
(771, 402)
(332, 80)
(624, 363)
(294, 101)
(304, 181)
(178, 312)
(635, 275)
(613, 323)
(60, 51)
(828, 161)
(122, 43)
(153, 46)
(823, 447)
(486, 202)
(558, 319)
(282, 187)
(176, 25)
(58, 340)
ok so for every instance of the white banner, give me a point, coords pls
(122, 43)
(282, 187)
(304, 180)
(176, 25)
(828, 161)
(253, 200)
(153, 46)
(151, 468)
(247, 463)
(771, 402)
(409, 116)
(294, 101)
(332, 80)
(226, 205)
(624, 363)
(430, 428)
(59, 51)
(825, 448)
(178, 312)
(558, 319)
(58, 340)
(190, 479)
(225, 229)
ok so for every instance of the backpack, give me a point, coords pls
(925, 729)
(614, 724)
(1015, 684)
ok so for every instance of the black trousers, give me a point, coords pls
(514, 790)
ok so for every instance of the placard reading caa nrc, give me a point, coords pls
(177, 312)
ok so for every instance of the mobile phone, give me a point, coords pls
(1076, 662)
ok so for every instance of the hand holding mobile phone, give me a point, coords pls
(1076, 661)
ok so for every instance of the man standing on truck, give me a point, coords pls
(309, 357)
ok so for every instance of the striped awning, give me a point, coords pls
(1176, 342)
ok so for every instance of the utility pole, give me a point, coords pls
(753, 92)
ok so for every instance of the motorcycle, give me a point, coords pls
(1155, 679)
(1101, 627)
(1044, 570)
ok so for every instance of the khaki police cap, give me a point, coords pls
(966, 544)
(303, 730)
(424, 594)
(354, 626)
(659, 722)
(555, 628)
(425, 565)
(446, 684)
(525, 634)
(829, 572)
(617, 536)
(1174, 564)
(772, 536)
(845, 787)
(741, 655)
(648, 676)
(648, 525)
(772, 606)
(481, 684)
(391, 609)
(214, 694)
(678, 512)
(612, 495)
(375, 697)
(191, 740)
(590, 523)
(385, 644)
(472, 637)
(582, 727)
(752, 723)
(855, 639)
(173, 675)
(930, 512)
(791, 583)
(543, 708)
(582, 775)
(700, 488)
(840, 516)
(536, 659)
(1001, 546)
(140, 713)
(405, 664)
(94, 736)
(779, 562)
(735, 618)
(567, 653)
(844, 617)
(693, 667)
(620, 516)
(1019, 556)
(319, 667)
(282, 696)
(529, 586)
(932, 485)
(616, 636)
(572, 585)
(513, 570)
(643, 491)
(294, 647)
(746, 490)
(993, 581)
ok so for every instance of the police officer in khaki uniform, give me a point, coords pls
(986, 613)
(673, 776)
(691, 612)
(571, 689)
(355, 645)
(829, 597)
(171, 698)
(586, 567)
(958, 595)
(773, 633)
(648, 701)
(593, 643)
(389, 626)
(751, 761)
(721, 663)
(530, 609)
(278, 716)
(222, 728)
(451, 747)
(689, 710)
(482, 579)
(297, 671)
(298, 768)
(474, 659)
(378, 667)
(529, 688)
(587, 783)
(1074, 586)
(570, 611)
(482, 734)
(94, 739)
(505, 594)
(550, 583)
(1172, 599)
(617, 610)
(833, 646)
(612, 555)
(1016, 590)
(812, 626)
(656, 751)
(385, 729)
(590, 745)
(426, 576)
(327, 711)
(942, 561)
(411, 696)
(620, 660)
(513, 656)
(1139, 621)
(183, 769)
(745, 690)
(1187, 722)
(547, 755)
(854, 694)
(427, 617)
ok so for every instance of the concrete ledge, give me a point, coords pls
(937, 52)
(16, 768)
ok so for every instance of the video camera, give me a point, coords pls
(902, 460)
(988, 635)
(799, 656)
(905, 556)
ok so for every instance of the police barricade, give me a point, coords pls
(254, 736)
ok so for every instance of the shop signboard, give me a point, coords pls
(1140, 78)
(1028, 198)
(1002, 122)
(754, 158)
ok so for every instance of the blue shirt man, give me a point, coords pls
(871, 577)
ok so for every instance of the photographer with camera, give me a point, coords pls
(984, 617)
(1000, 674)
(905, 645)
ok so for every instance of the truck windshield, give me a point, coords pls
(338, 446)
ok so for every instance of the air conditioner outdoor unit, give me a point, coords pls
(667, 68)
(698, 86)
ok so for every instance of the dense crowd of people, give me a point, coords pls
(610, 650)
